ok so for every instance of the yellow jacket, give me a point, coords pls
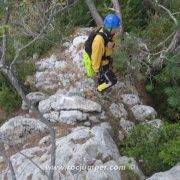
(99, 53)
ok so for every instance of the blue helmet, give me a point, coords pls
(112, 21)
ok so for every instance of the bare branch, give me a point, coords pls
(36, 38)
(169, 12)
(118, 13)
(163, 42)
(7, 160)
(97, 18)
(8, 73)
(54, 11)
(42, 171)
(4, 47)
(175, 13)
(174, 43)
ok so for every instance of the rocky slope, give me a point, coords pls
(87, 123)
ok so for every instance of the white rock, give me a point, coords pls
(78, 40)
(34, 97)
(35, 56)
(19, 128)
(118, 110)
(71, 116)
(130, 99)
(94, 119)
(62, 102)
(103, 115)
(104, 171)
(83, 146)
(48, 63)
(131, 164)
(45, 141)
(172, 174)
(87, 124)
(66, 44)
(126, 125)
(121, 135)
(157, 123)
(45, 106)
(142, 112)
(107, 126)
(1, 160)
(97, 175)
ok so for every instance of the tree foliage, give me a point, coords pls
(154, 149)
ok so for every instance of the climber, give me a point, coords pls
(102, 44)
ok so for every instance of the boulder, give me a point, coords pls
(106, 171)
(19, 128)
(87, 124)
(60, 102)
(50, 63)
(126, 125)
(130, 99)
(118, 110)
(172, 174)
(83, 147)
(70, 117)
(130, 164)
(143, 113)
(64, 108)
(45, 141)
(157, 123)
(34, 97)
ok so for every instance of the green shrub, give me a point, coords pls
(126, 54)
(155, 149)
(9, 100)
(166, 89)
(135, 16)
(128, 174)
(25, 69)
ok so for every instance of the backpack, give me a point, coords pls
(88, 50)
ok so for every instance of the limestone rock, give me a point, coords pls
(62, 102)
(132, 165)
(172, 174)
(17, 129)
(143, 113)
(53, 116)
(87, 124)
(49, 63)
(118, 110)
(106, 171)
(83, 146)
(130, 99)
(157, 123)
(126, 125)
(34, 97)
(45, 141)
(94, 119)
(121, 136)
(71, 116)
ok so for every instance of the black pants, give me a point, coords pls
(106, 75)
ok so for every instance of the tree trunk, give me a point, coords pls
(97, 18)
(175, 44)
(8, 73)
(117, 8)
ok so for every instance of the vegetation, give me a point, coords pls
(153, 25)
(61, 26)
(154, 149)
